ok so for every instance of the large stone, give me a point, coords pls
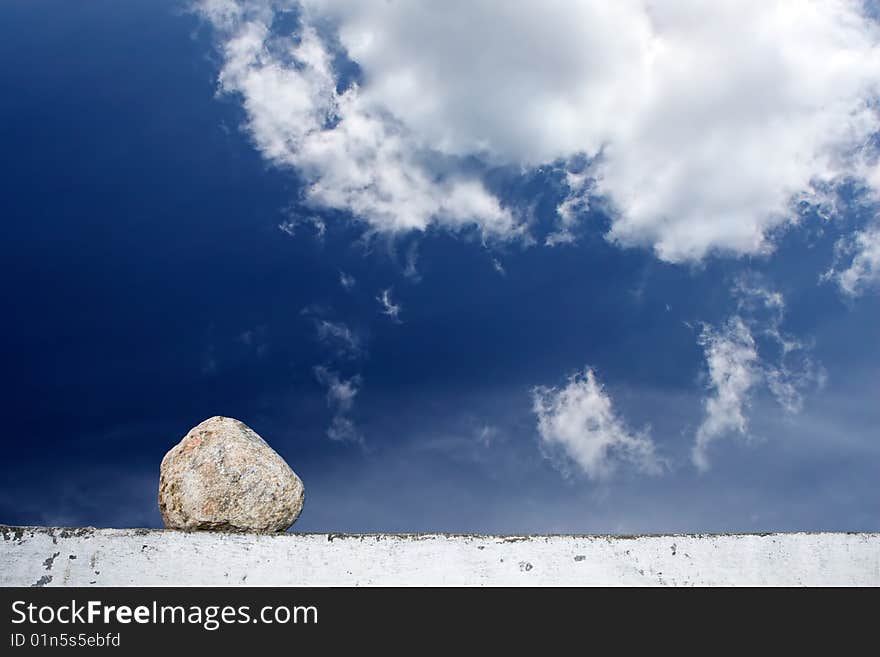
(224, 477)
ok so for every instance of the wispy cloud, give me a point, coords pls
(487, 434)
(347, 281)
(291, 225)
(578, 422)
(736, 367)
(339, 337)
(389, 308)
(341, 394)
(857, 266)
(732, 361)
(343, 429)
(255, 339)
(209, 360)
(411, 270)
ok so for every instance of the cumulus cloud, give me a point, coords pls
(579, 423)
(340, 399)
(389, 308)
(736, 368)
(701, 123)
(353, 152)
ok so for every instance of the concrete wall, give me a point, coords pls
(40, 556)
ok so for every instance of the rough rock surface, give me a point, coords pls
(223, 476)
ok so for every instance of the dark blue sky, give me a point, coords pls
(147, 286)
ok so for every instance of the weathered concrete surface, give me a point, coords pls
(40, 556)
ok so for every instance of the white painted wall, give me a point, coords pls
(120, 557)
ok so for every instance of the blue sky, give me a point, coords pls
(462, 275)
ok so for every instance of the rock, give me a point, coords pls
(224, 477)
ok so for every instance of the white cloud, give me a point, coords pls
(487, 434)
(340, 398)
(340, 337)
(388, 306)
(411, 270)
(340, 392)
(289, 226)
(353, 153)
(578, 421)
(736, 368)
(342, 429)
(255, 339)
(751, 296)
(862, 250)
(347, 281)
(732, 361)
(703, 120)
(320, 227)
